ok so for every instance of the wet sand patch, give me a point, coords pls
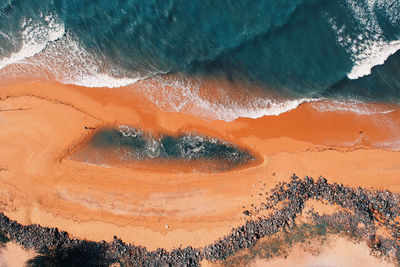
(125, 146)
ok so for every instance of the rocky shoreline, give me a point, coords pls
(364, 211)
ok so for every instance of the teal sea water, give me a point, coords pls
(135, 145)
(296, 49)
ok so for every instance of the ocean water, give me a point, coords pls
(294, 50)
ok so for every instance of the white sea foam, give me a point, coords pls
(35, 37)
(373, 54)
(369, 48)
(350, 107)
(69, 63)
(393, 145)
(257, 109)
(102, 80)
(183, 95)
(46, 45)
(391, 9)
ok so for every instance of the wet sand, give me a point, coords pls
(43, 123)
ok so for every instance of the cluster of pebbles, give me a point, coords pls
(364, 211)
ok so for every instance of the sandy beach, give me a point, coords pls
(44, 123)
(199, 133)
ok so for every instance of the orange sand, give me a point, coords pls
(42, 123)
(337, 252)
(13, 255)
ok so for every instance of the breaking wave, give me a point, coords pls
(35, 37)
(49, 48)
(294, 51)
(182, 94)
(369, 46)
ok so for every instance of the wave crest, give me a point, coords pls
(35, 37)
(369, 48)
(48, 48)
(212, 101)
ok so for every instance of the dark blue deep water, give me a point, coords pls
(298, 48)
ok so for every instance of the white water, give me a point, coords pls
(69, 63)
(59, 54)
(369, 48)
(374, 54)
(47, 46)
(35, 37)
(350, 107)
(184, 95)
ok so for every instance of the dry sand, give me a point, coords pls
(43, 123)
(13, 255)
(337, 252)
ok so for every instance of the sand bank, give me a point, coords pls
(43, 123)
